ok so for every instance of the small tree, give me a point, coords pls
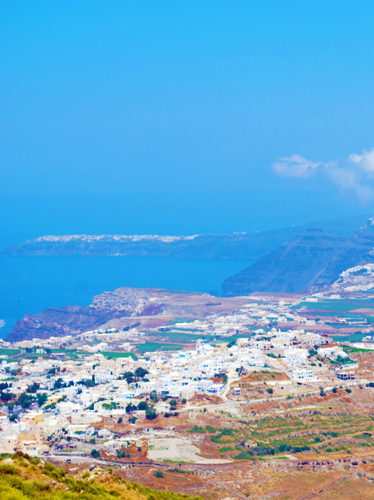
(122, 453)
(129, 377)
(24, 400)
(59, 384)
(141, 372)
(41, 398)
(95, 454)
(130, 408)
(143, 405)
(159, 474)
(6, 396)
(173, 404)
(33, 388)
(150, 413)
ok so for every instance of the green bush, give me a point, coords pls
(143, 405)
(209, 428)
(53, 471)
(198, 430)
(150, 413)
(130, 408)
(9, 470)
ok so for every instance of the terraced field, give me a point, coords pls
(318, 432)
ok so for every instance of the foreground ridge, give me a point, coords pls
(23, 477)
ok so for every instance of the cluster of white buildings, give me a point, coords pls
(177, 374)
(261, 315)
(92, 385)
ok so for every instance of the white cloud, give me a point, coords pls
(349, 180)
(295, 166)
(354, 175)
(364, 161)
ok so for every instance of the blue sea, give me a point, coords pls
(30, 284)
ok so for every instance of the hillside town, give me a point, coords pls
(60, 389)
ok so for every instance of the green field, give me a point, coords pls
(188, 329)
(319, 432)
(349, 349)
(182, 320)
(156, 346)
(336, 305)
(357, 337)
(9, 352)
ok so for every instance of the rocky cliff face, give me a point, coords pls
(70, 320)
(308, 262)
(357, 250)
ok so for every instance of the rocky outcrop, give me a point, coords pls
(122, 308)
(70, 320)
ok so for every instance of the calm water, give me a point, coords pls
(30, 284)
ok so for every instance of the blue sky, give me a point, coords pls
(168, 116)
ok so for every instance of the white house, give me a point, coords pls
(302, 375)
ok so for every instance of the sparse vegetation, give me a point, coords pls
(19, 482)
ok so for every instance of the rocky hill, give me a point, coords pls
(310, 262)
(57, 322)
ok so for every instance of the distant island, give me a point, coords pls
(239, 245)
(289, 260)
